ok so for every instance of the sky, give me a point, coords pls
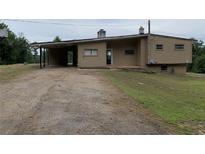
(46, 29)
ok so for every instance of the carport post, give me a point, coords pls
(40, 57)
(44, 57)
(47, 52)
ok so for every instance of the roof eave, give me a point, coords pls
(175, 37)
(72, 42)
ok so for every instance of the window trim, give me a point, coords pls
(178, 48)
(129, 54)
(91, 55)
(159, 49)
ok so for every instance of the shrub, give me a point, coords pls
(199, 64)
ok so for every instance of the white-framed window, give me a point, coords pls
(90, 52)
(179, 46)
(159, 46)
(129, 51)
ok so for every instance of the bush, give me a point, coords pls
(199, 64)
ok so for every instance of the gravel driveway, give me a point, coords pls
(70, 101)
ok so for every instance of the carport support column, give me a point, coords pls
(40, 57)
(47, 52)
(44, 57)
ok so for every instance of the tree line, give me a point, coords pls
(14, 49)
(198, 58)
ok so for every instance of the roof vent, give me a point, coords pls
(101, 33)
(141, 30)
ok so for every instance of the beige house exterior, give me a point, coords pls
(140, 51)
(92, 61)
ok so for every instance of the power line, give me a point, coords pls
(63, 24)
(39, 22)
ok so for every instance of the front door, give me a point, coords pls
(109, 57)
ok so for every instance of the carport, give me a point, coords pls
(58, 54)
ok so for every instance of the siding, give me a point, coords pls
(92, 61)
(177, 69)
(169, 55)
(143, 47)
(119, 57)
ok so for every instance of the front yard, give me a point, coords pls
(178, 100)
(8, 72)
(68, 101)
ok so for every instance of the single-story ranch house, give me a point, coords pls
(143, 51)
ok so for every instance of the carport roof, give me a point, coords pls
(74, 42)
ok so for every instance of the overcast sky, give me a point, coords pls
(46, 30)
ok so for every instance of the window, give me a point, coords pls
(179, 46)
(129, 52)
(159, 46)
(164, 68)
(90, 52)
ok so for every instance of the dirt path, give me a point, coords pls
(69, 101)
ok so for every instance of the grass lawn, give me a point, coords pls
(178, 100)
(8, 72)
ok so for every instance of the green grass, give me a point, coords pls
(176, 99)
(8, 72)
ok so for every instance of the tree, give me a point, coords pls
(198, 58)
(198, 49)
(14, 49)
(199, 64)
(57, 39)
(6, 46)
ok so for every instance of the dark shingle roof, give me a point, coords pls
(76, 41)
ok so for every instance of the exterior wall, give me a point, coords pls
(143, 47)
(145, 50)
(119, 57)
(92, 61)
(57, 56)
(169, 55)
(180, 69)
(177, 69)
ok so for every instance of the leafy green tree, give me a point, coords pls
(14, 49)
(198, 49)
(57, 39)
(198, 52)
(199, 64)
(6, 52)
